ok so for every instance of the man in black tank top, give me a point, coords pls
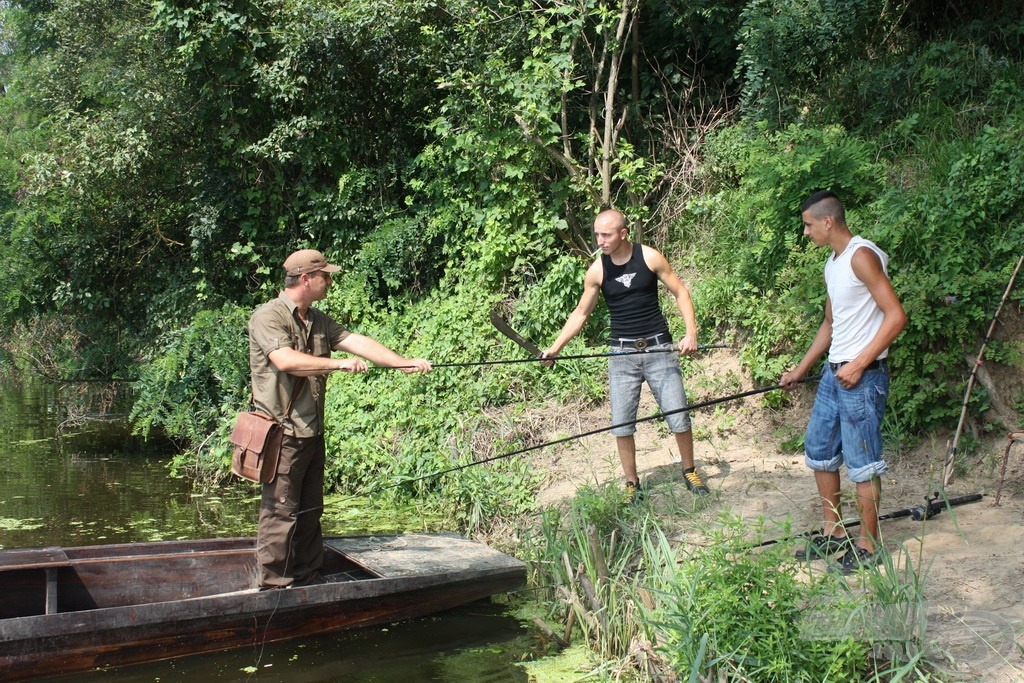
(627, 275)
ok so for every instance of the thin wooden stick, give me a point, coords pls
(597, 555)
(947, 475)
(595, 605)
(570, 621)
(546, 630)
(1011, 438)
(570, 575)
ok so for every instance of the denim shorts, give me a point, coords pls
(627, 371)
(846, 425)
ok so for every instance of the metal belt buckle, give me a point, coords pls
(641, 343)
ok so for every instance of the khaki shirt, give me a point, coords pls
(276, 325)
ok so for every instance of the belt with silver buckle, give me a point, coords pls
(643, 342)
(874, 365)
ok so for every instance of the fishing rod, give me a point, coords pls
(80, 380)
(521, 451)
(539, 359)
(934, 504)
(502, 326)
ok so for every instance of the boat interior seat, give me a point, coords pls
(48, 560)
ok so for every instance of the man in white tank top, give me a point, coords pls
(863, 316)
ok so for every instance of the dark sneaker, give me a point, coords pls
(821, 545)
(857, 558)
(694, 483)
(634, 494)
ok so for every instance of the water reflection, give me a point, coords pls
(92, 482)
(95, 484)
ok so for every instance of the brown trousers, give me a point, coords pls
(290, 547)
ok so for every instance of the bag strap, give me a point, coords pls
(295, 393)
(291, 401)
(295, 389)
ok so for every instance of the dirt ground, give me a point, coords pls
(975, 577)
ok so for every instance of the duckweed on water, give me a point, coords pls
(8, 524)
(367, 515)
(568, 666)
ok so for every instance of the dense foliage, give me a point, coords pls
(934, 178)
(161, 158)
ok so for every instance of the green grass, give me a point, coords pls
(650, 598)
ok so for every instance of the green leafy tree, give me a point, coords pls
(182, 149)
(787, 49)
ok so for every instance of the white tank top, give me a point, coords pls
(855, 315)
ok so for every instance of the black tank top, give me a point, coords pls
(631, 292)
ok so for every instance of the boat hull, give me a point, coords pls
(395, 578)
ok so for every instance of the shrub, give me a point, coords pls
(731, 610)
(720, 609)
(199, 379)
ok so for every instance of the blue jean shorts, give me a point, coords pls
(627, 371)
(846, 425)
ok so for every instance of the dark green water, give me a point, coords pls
(94, 483)
(89, 483)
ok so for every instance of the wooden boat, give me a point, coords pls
(73, 609)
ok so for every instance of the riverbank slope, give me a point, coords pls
(971, 555)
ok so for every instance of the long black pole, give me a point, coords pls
(933, 506)
(695, 406)
(555, 359)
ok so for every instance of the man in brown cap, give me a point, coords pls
(290, 345)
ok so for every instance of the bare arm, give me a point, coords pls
(822, 341)
(372, 350)
(868, 268)
(301, 364)
(294, 362)
(659, 265)
(578, 318)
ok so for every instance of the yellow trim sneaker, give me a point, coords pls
(634, 494)
(694, 483)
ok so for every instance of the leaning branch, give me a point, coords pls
(947, 475)
(564, 159)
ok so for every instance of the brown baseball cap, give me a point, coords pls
(307, 261)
